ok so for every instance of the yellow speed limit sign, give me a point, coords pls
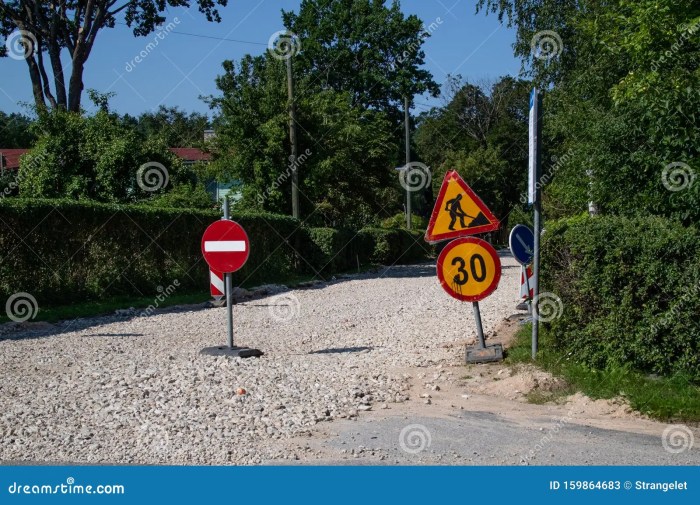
(469, 269)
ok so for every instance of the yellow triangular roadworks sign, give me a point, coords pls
(458, 212)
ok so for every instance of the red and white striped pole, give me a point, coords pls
(216, 285)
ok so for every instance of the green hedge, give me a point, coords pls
(336, 250)
(384, 246)
(67, 251)
(331, 250)
(630, 290)
(64, 251)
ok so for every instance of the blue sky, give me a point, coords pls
(182, 67)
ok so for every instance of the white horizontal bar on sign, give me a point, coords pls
(224, 246)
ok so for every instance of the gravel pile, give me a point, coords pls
(130, 389)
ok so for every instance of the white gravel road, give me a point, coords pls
(136, 390)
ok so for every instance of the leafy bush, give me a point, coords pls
(399, 221)
(338, 250)
(102, 158)
(630, 289)
(388, 247)
(89, 157)
(333, 250)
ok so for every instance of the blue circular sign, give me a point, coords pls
(522, 244)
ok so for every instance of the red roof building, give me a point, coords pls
(190, 154)
(9, 158)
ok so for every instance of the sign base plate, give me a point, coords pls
(234, 352)
(485, 354)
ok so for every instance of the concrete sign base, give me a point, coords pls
(234, 352)
(484, 354)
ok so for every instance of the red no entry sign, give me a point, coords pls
(225, 246)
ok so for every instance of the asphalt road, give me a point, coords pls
(482, 438)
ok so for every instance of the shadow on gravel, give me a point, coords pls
(114, 335)
(338, 350)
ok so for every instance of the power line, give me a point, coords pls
(210, 37)
(220, 38)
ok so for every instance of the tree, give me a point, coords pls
(621, 102)
(349, 176)
(480, 132)
(99, 158)
(346, 151)
(353, 63)
(51, 27)
(251, 129)
(364, 48)
(178, 128)
(14, 131)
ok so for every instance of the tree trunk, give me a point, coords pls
(37, 89)
(75, 85)
(58, 79)
(45, 78)
(56, 65)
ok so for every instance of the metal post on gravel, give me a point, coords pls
(479, 328)
(225, 246)
(229, 289)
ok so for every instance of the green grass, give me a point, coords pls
(109, 305)
(664, 398)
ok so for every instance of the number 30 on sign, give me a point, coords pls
(469, 269)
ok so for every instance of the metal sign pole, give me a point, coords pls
(408, 160)
(479, 328)
(226, 247)
(229, 290)
(537, 220)
(229, 309)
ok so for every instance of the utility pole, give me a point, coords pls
(406, 120)
(592, 207)
(293, 138)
